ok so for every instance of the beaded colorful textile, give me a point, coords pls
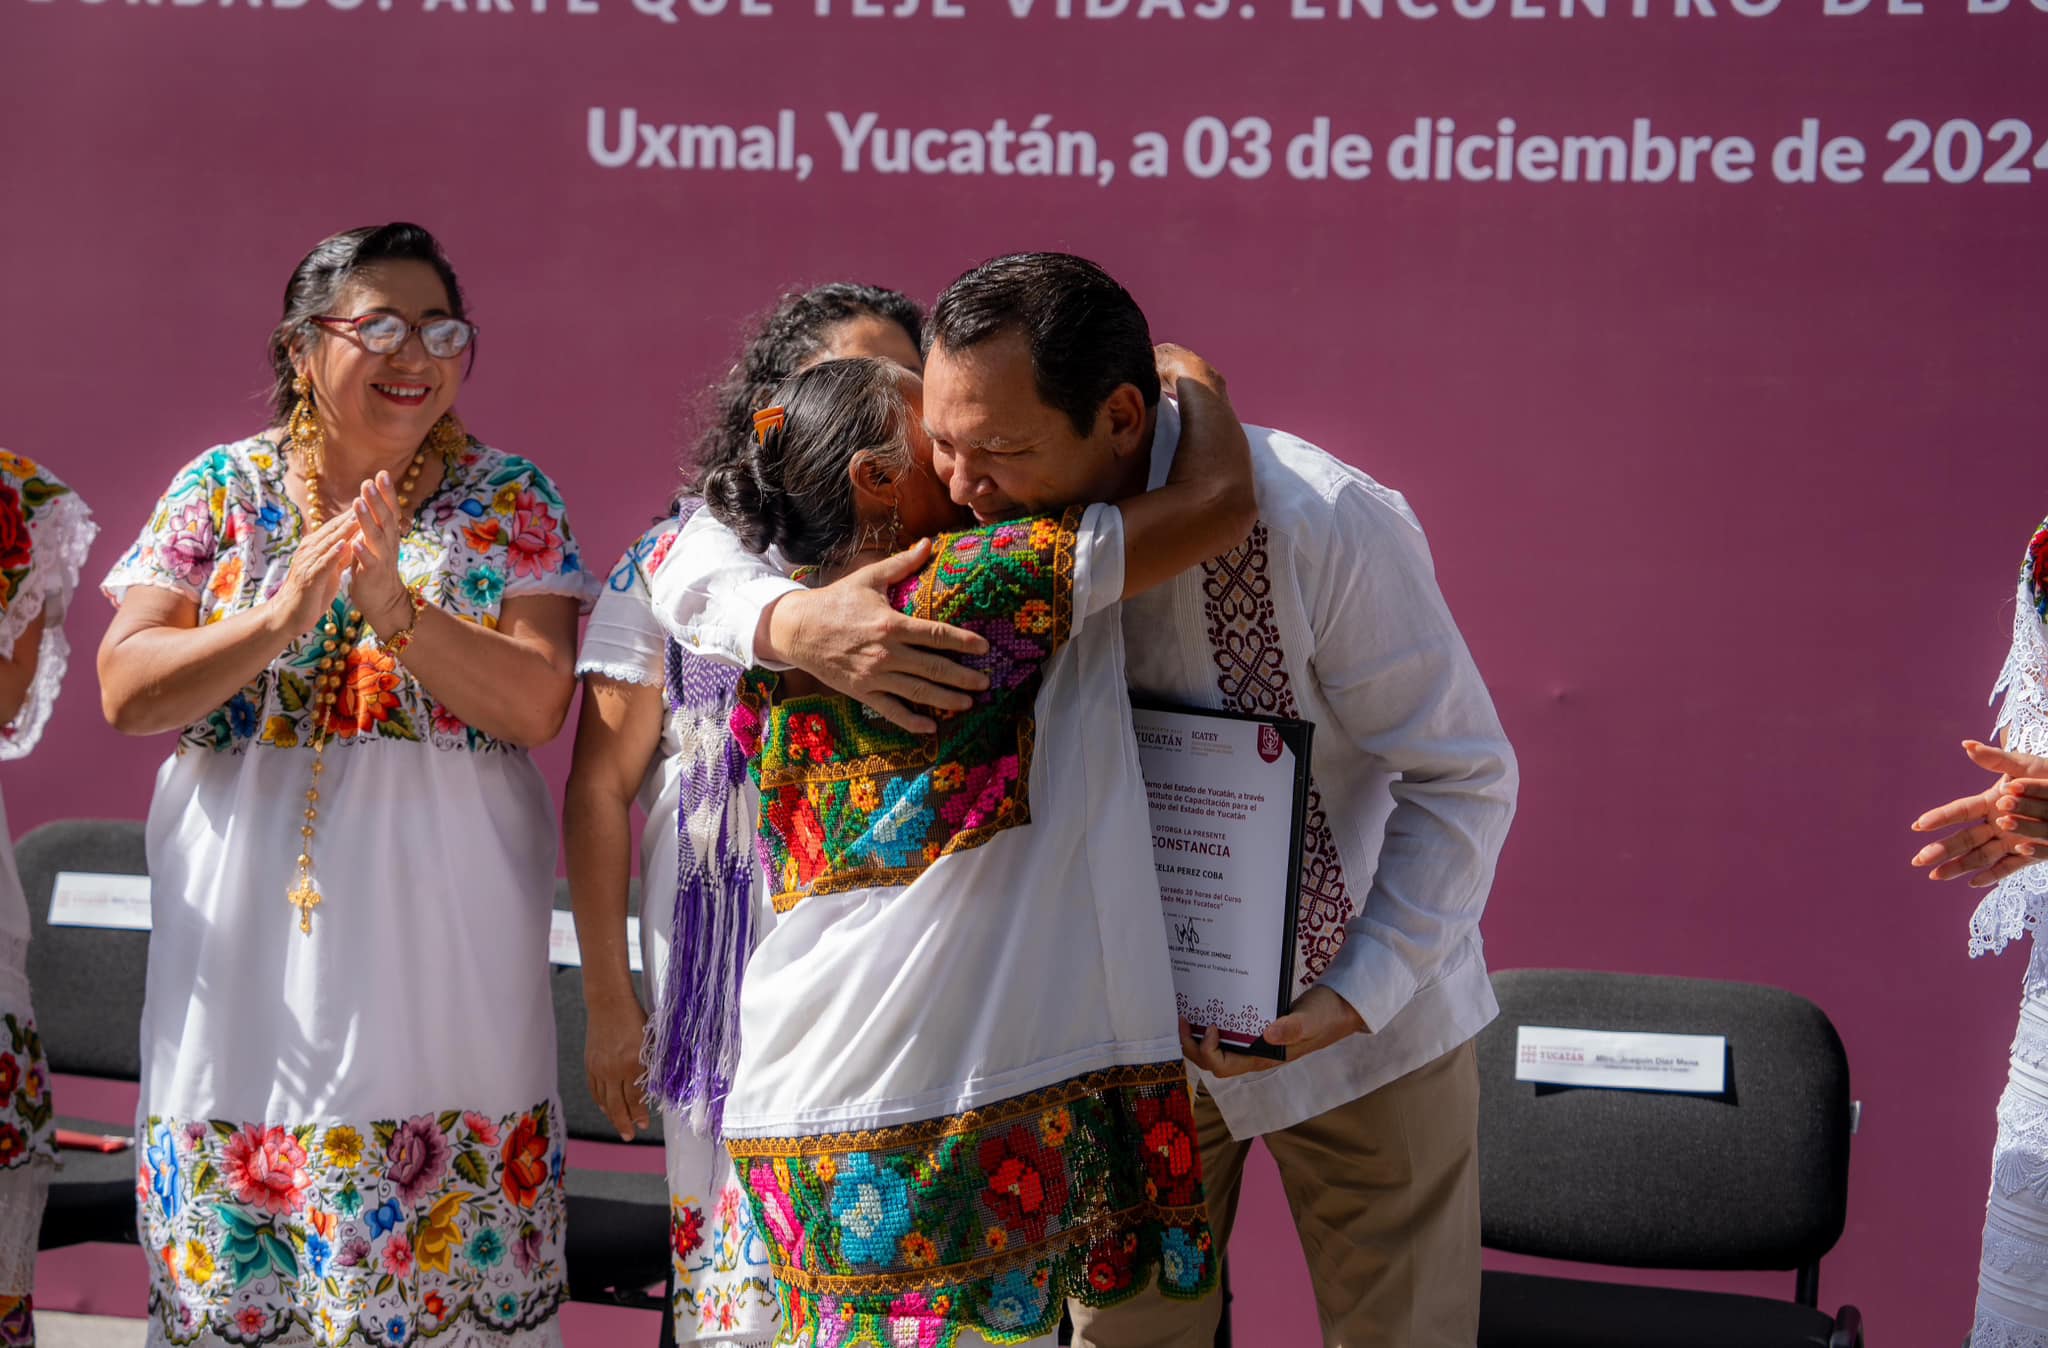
(849, 801)
(987, 1220)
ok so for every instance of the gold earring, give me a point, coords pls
(449, 437)
(303, 427)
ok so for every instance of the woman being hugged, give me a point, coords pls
(654, 731)
(358, 620)
(960, 1097)
(45, 530)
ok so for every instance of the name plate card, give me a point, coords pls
(1227, 795)
(563, 949)
(93, 899)
(1693, 1064)
(121, 902)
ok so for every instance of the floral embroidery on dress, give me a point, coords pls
(635, 570)
(224, 535)
(45, 531)
(850, 801)
(27, 1119)
(17, 1322)
(987, 1220)
(25, 490)
(721, 1265)
(2034, 571)
(382, 1233)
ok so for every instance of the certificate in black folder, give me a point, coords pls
(1228, 795)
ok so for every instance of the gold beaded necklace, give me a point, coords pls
(338, 635)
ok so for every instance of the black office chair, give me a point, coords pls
(618, 1243)
(1756, 1177)
(87, 984)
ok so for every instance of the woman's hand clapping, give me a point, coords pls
(314, 578)
(378, 588)
(2006, 824)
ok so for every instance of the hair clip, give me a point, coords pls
(766, 420)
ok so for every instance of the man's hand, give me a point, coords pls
(848, 636)
(2005, 822)
(1319, 1019)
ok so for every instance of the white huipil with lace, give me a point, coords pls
(45, 530)
(723, 1292)
(351, 1134)
(2012, 1280)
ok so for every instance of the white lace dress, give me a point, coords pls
(723, 1292)
(45, 530)
(2012, 1280)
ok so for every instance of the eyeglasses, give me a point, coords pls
(381, 334)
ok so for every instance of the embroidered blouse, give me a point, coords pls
(2018, 903)
(223, 536)
(849, 800)
(45, 530)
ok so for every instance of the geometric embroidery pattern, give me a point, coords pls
(1251, 675)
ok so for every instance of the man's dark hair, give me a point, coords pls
(1086, 334)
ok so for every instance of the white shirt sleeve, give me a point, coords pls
(622, 641)
(1391, 663)
(710, 592)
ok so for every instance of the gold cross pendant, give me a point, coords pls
(305, 898)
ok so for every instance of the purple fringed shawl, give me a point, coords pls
(693, 1043)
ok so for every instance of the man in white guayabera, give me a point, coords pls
(1328, 612)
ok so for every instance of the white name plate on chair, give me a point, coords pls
(1695, 1064)
(93, 899)
(563, 949)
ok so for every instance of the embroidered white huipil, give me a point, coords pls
(1030, 959)
(1415, 779)
(354, 1130)
(722, 1292)
(2012, 1276)
(45, 531)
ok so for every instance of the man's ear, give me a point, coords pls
(1122, 418)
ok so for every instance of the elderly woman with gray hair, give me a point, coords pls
(358, 621)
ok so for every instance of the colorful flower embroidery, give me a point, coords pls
(266, 1168)
(2034, 573)
(27, 1117)
(187, 547)
(377, 1233)
(536, 542)
(849, 800)
(721, 1267)
(225, 532)
(525, 1160)
(987, 1221)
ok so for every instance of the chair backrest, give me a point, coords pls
(1754, 1178)
(572, 1026)
(87, 981)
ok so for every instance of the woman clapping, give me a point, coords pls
(358, 620)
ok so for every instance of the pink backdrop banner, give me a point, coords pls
(1704, 335)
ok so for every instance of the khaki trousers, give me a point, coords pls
(1385, 1196)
